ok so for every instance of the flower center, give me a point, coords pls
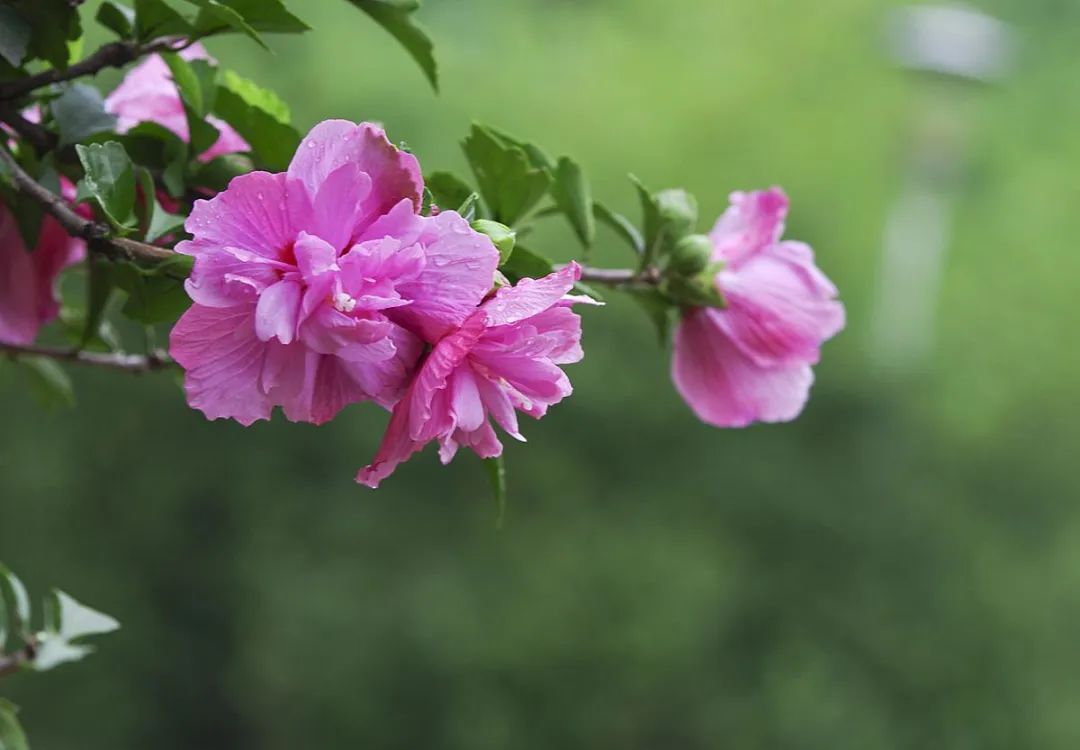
(344, 303)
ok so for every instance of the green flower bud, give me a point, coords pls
(699, 289)
(691, 254)
(678, 210)
(501, 235)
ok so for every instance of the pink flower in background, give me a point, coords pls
(319, 287)
(148, 94)
(28, 279)
(751, 361)
(504, 358)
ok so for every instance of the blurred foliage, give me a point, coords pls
(896, 570)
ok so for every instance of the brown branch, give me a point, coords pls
(111, 55)
(133, 363)
(12, 663)
(97, 235)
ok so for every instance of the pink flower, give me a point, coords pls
(148, 94)
(27, 279)
(751, 360)
(504, 357)
(319, 287)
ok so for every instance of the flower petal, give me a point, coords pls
(753, 222)
(278, 311)
(251, 215)
(724, 387)
(223, 362)
(530, 296)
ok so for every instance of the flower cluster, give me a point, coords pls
(325, 286)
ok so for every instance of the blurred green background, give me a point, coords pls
(897, 569)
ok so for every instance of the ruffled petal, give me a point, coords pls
(530, 296)
(752, 223)
(251, 215)
(332, 144)
(724, 387)
(778, 312)
(223, 362)
(458, 272)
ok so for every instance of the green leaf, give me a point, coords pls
(524, 263)
(49, 382)
(496, 471)
(156, 147)
(11, 733)
(80, 113)
(396, 17)
(98, 291)
(14, 35)
(270, 16)
(110, 179)
(154, 18)
(502, 236)
(154, 295)
(658, 308)
(574, 198)
(117, 18)
(217, 173)
(467, 209)
(188, 83)
(72, 620)
(621, 225)
(447, 190)
(260, 117)
(650, 219)
(54, 24)
(13, 591)
(510, 182)
(215, 17)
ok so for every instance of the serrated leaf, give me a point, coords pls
(496, 471)
(14, 36)
(154, 18)
(573, 196)
(117, 18)
(621, 225)
(509, 181)
(187, 82)
(11, 733)
(270, 16)
(80, 113)
(260, 117)
(71, 620)
(215, 17)
(54, 24)
(156, 295)
(447, 190)
(396, 16)
(110, 179)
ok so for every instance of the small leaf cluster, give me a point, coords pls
(58, 639)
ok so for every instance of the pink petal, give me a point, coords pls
(465, 405)
(723, 386)
(314, 256)
(483, 441)
(278, 311)
(497, 403)
(334, 210)
(753, 222)
(776, 312)
(458, 272)
(530, 296)
(250, 215)
(223, 362)
(332, 144)
(27, 280)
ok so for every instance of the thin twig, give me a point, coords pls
(12, 663)
(620, 276)
(134, 363)
(96, 235)
(111, 55)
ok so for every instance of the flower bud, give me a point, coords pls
(501, 235)
(691, 254)
(678, 210)
(698, 289)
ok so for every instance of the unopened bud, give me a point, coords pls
(501, 235)
(699, 289)
(678, 209)
(691, 254)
